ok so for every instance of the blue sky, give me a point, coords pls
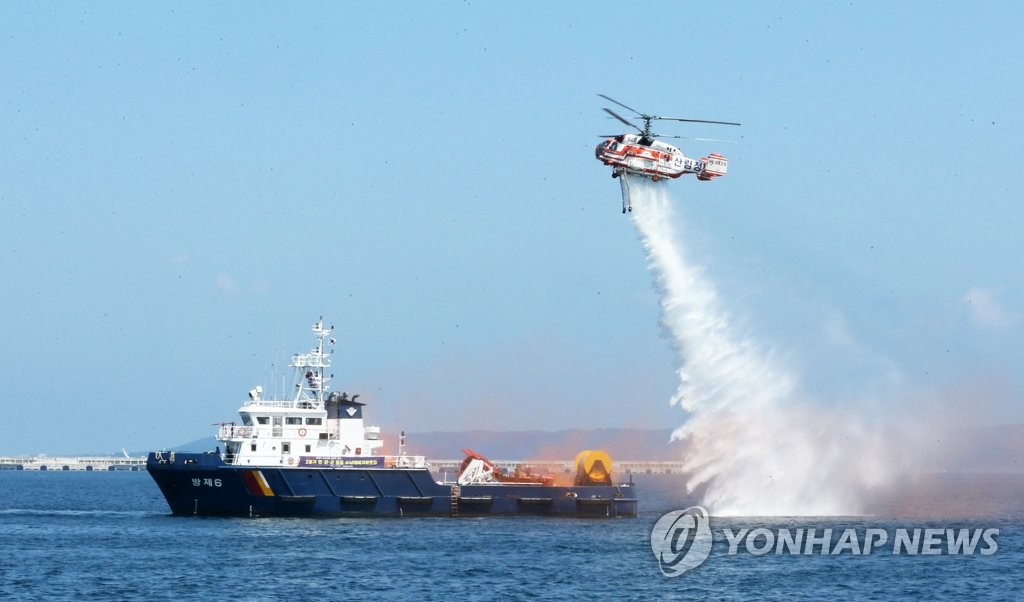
(185, 188)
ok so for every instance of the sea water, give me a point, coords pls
(109, 536)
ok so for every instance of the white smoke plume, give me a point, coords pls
(759, 446)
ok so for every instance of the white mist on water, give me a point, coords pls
(760, 447)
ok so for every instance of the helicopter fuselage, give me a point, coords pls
(637, 154)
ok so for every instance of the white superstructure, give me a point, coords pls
(313, 428)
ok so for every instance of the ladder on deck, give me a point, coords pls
(456, 490)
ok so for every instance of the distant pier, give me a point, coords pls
(138, 463)
(73, 463)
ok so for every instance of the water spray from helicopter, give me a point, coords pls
(755, 441)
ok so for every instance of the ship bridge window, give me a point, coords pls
(314, 421)
(293, 420)
(262, 419)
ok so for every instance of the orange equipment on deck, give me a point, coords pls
(593, 467)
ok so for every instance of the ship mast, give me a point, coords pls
(314, 363)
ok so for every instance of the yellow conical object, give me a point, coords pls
(593, 467)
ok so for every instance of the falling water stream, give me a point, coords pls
(757, 443)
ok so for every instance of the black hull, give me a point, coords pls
(203, 485)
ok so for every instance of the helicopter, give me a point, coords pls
(641, 154)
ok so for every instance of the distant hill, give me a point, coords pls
(989, 449)
(199, 445)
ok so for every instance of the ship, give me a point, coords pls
(310, 453)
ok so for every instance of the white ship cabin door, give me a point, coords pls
(276, 426)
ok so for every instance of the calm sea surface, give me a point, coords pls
(108, 536)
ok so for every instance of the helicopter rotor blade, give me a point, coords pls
(620, 104)
(622, 119)
(695, 120)
(700, 139)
